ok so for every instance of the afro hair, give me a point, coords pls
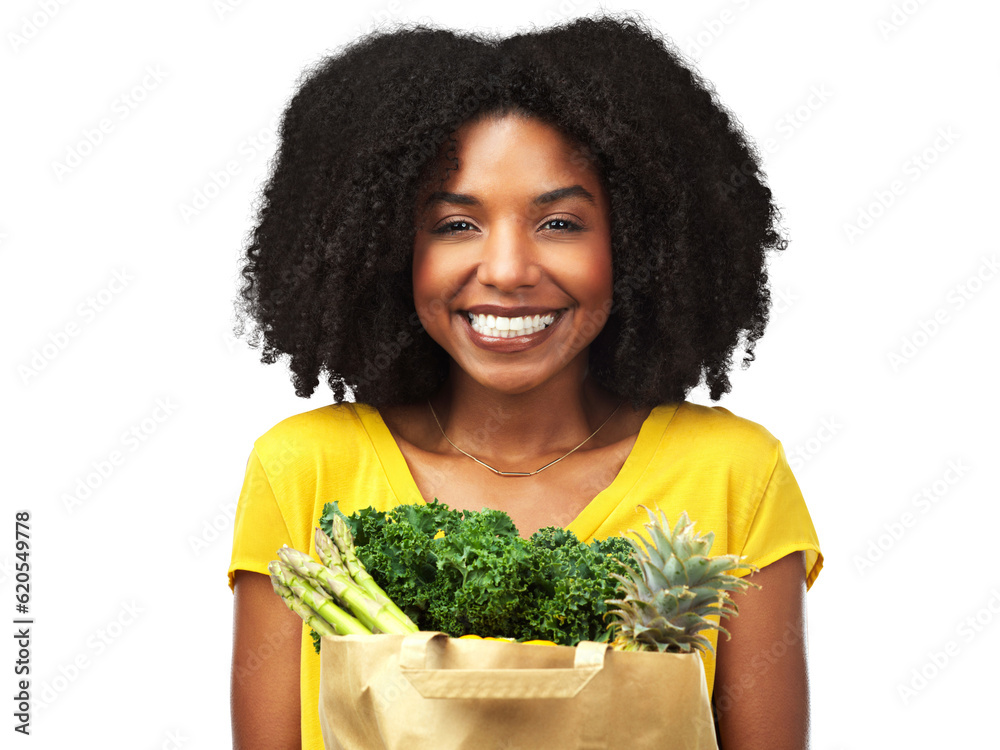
(327, 265)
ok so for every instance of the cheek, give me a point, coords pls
(432, 284)
(421, 275)
(597, 277)
(595, 288)
(426, 271)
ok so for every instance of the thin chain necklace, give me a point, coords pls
(518, 473)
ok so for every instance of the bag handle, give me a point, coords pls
(496, 683)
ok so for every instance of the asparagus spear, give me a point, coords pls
(344, 541)
(375, 616)
(308, 614)
(330, 555)
(327, 550)
(318, 601)
(296, 561)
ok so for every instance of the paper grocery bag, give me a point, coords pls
(426, 690)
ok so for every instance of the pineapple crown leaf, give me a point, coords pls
(704, 544)
(704, 644)
(663, 576)
(672, 588)
(634, 586)
(676, 571)
(721, 629)
(662, 547)
(682, 541)
(710, 567)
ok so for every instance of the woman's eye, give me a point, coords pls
(452, 227)
(563, 225)
(456, 227)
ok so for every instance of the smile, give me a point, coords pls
(497, 327)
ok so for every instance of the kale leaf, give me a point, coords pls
(469, 572)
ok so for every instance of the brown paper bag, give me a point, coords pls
(426, 690)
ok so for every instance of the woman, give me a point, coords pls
(519, 255)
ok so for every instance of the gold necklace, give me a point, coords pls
(518, 473)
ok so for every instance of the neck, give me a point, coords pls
(520, 431)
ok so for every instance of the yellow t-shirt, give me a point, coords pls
(729, 474)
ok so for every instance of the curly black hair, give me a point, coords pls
(327, 266)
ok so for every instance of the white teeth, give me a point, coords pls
(490, 325)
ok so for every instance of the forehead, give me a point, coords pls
(493, 132)
(513, 154)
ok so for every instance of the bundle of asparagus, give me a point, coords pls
(337, 597)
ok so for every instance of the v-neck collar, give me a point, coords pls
(405, 488)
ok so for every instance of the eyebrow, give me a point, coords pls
(463, 199)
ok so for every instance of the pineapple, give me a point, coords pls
(664, 604)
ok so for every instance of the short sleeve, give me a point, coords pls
(259, 529)
(781, 523)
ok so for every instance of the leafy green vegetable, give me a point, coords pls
(469, 572)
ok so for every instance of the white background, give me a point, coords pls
(875, 402)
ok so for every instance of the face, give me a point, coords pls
(521, 229)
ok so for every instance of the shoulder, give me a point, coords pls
(712, 440)
(333, 428)
(719, 426)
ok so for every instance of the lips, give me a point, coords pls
(513, 312)
(505, 328)
(513, 343)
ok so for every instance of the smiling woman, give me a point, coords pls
(517, 256)
(509, 240)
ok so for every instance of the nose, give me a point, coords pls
(509, 259)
